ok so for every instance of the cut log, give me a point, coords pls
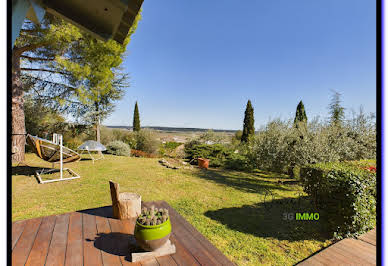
(125, 205)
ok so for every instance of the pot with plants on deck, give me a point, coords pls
(153, 228)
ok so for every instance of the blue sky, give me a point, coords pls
(196, 63)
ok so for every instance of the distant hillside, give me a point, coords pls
(178, 129)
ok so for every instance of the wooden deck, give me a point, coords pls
(349, 251)
(93, 237)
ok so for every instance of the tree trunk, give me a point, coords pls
(98, 133)
(18, 124)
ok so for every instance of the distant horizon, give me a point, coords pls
(321, 118)
(168, 127)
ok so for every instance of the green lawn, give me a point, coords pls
(226, 206)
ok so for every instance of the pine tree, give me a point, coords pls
(337, 112)
(300, 115)
(65, 68)
(136, 119)
(249, 120)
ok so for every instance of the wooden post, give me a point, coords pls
(125, 205)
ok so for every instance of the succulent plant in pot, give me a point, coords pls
(153, 228)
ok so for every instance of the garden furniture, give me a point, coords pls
(92, 146)
(53, 152)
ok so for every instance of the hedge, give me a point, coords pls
(344, 193)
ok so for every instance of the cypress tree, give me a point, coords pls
(249, 120)
(136, 119)
(300, 115)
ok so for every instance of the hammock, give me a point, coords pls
(50, 151)
(53, 152)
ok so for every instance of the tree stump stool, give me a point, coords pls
(125, 205)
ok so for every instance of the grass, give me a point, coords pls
(240, 213)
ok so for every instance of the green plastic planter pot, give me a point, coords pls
(152, 237)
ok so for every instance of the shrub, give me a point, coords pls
(345, 193)
(73, 143)
(238, 135)
(171, 145)
(146, 141)
(129, 138)
(169, 149)
(138, 153)
(118, 148)
(269, 148)
(124, 135)
(106, 135)
(237, 162)
(211, 137)
(280, 144)
(216, 153)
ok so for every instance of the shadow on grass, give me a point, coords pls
(270, 175)
(268, 220)
(30, 170)
(247, 182)
(25, 170)
(85, 159)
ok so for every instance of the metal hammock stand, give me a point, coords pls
(53, 151)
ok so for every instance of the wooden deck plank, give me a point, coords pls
(336, 255)
(128, 227)
(182, 256)
(189, 242)
(122, 239)
(57, 248)
(74, 249)
(17, 230)
(106, 242)
(23, 246)
(206, 247)
(359, 249)
(345, 252)
(91, 255)
(93, 237)
(40, 247)
(166, 260)
(369, 237)
(150, 262)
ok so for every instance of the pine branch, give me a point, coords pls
(19, 50)
(44, 70)
(53, 83)
(37, 58)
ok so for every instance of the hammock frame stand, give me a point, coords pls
(58, 140)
